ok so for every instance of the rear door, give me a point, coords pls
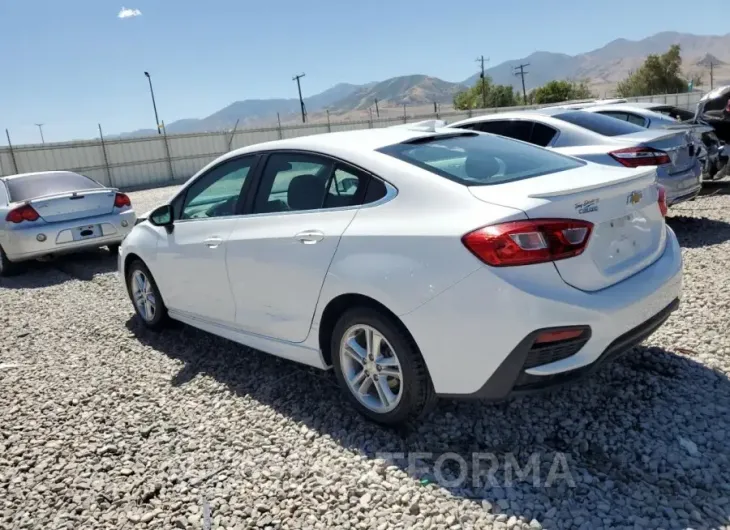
(628, 231)
(279, 253)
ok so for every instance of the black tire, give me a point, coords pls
(7, 267)
(417, 397)
(160, 317)
(114, 249)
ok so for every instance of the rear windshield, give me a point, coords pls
(31, 186)
(481, 159)
(603, 125)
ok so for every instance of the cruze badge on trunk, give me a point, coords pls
(587, 206)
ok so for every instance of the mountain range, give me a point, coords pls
(601, 68)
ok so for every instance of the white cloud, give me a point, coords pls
(129, 13)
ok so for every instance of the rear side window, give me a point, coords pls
(32, 186)
(598, 123)
(527, 131)
(477, 160)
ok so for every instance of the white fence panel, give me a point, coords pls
(150, 161)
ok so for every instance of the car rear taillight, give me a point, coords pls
(528, 242)
(640, 156)
(662, 200)
(121, 200)
(22, 213)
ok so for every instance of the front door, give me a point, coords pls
(193, 256)
(279, 255)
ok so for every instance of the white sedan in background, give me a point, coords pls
(56, 212)
(416, 261)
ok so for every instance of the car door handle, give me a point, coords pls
(309, 237)
(213, 242)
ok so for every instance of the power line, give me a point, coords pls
(522, 74)
(484, 80)
(301, 101)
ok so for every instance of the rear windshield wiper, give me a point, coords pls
(437, 137)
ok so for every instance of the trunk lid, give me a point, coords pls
(676, 143)
(629, 231)
(74, 205)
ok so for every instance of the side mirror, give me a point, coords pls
(162, 216)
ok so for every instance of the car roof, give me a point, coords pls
(525, 114)
(358, 140)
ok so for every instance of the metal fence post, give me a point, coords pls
(233, 133)
(405, 116)
(167, 150)
(106, 158)
(12, 153)
(278, 119)
(329, 126)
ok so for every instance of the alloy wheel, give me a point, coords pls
(143, 296)
(371, 368)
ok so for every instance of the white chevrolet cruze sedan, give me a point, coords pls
(416, 261)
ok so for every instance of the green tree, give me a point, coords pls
(660, 74)
(558, 91)
(496, 96)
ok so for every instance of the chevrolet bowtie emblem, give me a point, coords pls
(634, 197)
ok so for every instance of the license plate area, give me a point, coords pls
(621, 240)
(81, 233)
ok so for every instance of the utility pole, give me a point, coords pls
(40, 128)
(301, 101)
(712, 74)
(522, 74)
(484, 80)
(154, 105)
(377, 110)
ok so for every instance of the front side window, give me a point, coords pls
(476, 160)
(217, 193)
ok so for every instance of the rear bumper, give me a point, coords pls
(22, 244)
(682, 186)
(512, 380)
(474, 337)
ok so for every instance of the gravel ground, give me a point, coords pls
(106, 425)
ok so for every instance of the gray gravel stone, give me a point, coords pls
(112, 426)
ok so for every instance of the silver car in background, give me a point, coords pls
(57, 212)
(604, 140)
(662, 116)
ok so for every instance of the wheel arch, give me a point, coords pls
(343, 302)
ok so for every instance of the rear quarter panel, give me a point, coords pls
(405, 252)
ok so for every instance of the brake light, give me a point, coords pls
(22, 213)
(640, 156)
(121, 200)
(662, 200)
(528, 242)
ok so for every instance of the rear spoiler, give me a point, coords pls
(691, 126)
(74, 192)
(571, 188)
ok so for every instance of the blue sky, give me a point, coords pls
(72, 64)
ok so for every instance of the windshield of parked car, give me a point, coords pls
(40, 184)
(481, 159)
(598, 123)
